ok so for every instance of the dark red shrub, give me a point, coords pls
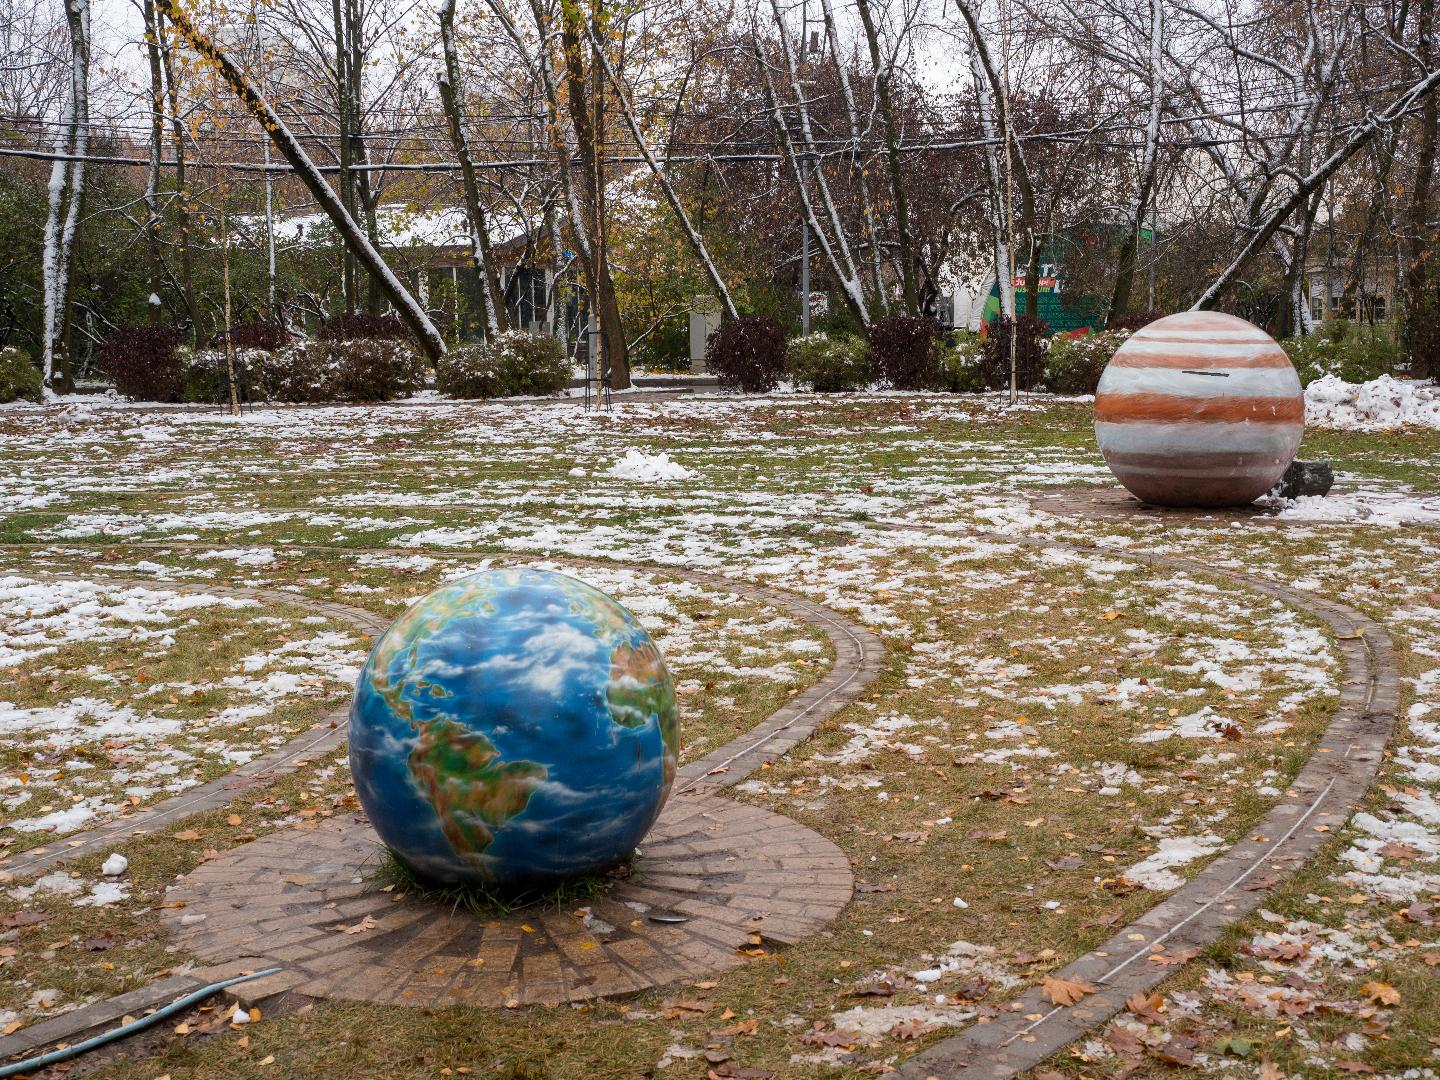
(1029, 332)
(906, 351)
(143, 362)
(748, 354)
(264, 336)
(363, 326)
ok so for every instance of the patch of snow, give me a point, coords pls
(1153, 872)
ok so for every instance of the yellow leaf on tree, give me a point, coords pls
(1064, 991)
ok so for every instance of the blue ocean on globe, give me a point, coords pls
(512, 729)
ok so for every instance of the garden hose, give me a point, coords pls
(126, 1029)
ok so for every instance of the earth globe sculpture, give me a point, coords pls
(1199, 409)
(513, 729)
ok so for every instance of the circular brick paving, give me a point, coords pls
(1115, 503)
(739, 877)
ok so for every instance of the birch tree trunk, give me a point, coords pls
(290, 149)
(66, 190)
(50, 260)
(1004, 271)
(152, 179)
(348, 283)
(363, 189)
(1419, 305)
(587, 119)
(787, 151)
(452, 96)
(844, 267)
(1014, 155)
(555, 127)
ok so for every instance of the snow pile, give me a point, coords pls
(1154, 873)
(1382, 403)
(1367, 507)
(638, 465)
(260, 556)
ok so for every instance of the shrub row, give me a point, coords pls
(1073, 365)
(362, 369)
(149, 364)
(900, 352)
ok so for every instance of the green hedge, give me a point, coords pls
(1356, 353)
(1074, 365)
(963, 363)
(19, 377)
(828, 365)
(515, 363)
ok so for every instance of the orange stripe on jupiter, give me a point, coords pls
(1260, 358)
(1113, 408)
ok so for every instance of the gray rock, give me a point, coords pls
(1304, 478)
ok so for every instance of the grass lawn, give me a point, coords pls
(1057, 741)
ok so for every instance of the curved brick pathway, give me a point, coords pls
(1339, 772)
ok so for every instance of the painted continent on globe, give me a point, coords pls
(513, 728)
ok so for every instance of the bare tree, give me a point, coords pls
(66, 192)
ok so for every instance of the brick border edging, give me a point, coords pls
(1192, 916)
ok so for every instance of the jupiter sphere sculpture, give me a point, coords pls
(1199, 409)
